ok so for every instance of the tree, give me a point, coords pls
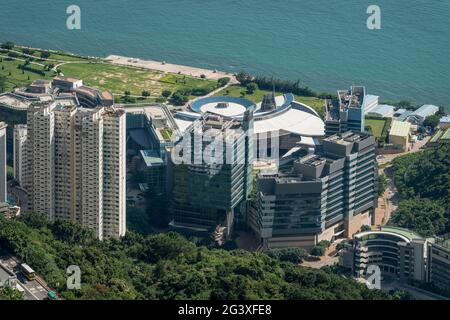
(432, 121)
(318, 251)
(244, 78)
(45, 54)
(223, 81)
(146, 93)
(294, 255)
(13, 54)
(251, 87)
(166, 93)
(424, 216)
(382, 184)
(28, 51)
(3, 80)
(9, 293)
(179, 98)
(405, 104)
(8, 45)
(164, 266)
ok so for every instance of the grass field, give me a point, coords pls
(119, 79)
(18, 78)
(376, 125)
(104, 76)
(257, 96)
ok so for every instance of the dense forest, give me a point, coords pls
(423, 182)
(165, 266)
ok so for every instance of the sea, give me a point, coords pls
(326, 44)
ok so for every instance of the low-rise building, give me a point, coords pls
(67, 83)
(370, 102)
(382, 111)
(419, 115)
(444, 122)
(440, 137)
(40, 86)
(399, 135)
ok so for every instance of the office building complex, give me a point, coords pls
(212, 184)
(346, 112)
(19, 151)
(3, 190)
(75, 167)
(328, 194)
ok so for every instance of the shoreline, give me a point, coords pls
(162, 66)
(170, 68)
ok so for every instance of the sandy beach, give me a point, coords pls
(169, 67)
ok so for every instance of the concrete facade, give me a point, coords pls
(20, 159)
(327, 195)
(76, 166)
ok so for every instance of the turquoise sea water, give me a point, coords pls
(324, 43)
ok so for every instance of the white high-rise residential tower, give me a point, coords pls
(76, 166)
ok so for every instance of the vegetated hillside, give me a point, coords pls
(164, 266)
(423, 181)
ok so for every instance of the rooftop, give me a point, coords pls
(426, 110)
(346, 137)
(68, 79)
(151, 158)
(400, 128)
(383, 110)
(406, 234)
(445, 119)
(352, 98)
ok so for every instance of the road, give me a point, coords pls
(33, 290)
(391, 197)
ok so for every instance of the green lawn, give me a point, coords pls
(257, 96)
(166, 133)
(376, 125)
(119, 79)
(19, 78)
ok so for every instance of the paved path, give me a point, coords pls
(170, 68)
(391, 196)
